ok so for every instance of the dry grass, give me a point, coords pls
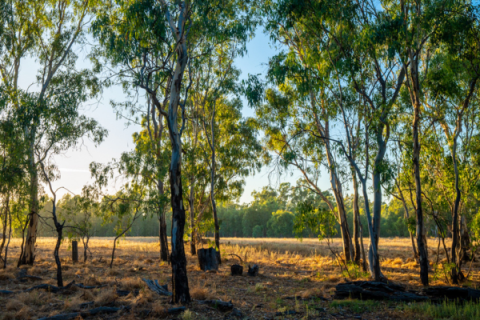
(288, 268)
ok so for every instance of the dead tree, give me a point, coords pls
(58, 226)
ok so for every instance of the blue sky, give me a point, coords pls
(73, 164)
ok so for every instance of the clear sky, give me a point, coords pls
(74, 164)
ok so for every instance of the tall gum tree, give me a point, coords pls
(49, 32)
(152, 42)
(347, 39)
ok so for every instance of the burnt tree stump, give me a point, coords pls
(74, 251)
(253, 271)
(207, 259)
(237, 270)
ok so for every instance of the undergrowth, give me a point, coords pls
(446, 310)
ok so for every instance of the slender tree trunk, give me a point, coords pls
(407, 216)
(28, 254)
(455, 222)
(356, 219)
(422, 250)
(364, 264)
(85, 249)
(337, 192)
(5, 225)
(373, 259)
(212, 192)
(59, 228)
(191, 204)
(181, 293)
(162, 232)
(8, 242)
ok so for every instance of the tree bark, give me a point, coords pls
(422, 250)
(337, 192)
(59, 228)
(5, 225)
(212, 191)
(191, 204)
(356, 219)
(181, 293)
(162, 232)
(28, 254)
(407, 216)
(455, 222)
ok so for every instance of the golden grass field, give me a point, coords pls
(293, 276)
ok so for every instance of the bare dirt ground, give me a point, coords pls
(296, 279)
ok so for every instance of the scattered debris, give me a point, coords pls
(218, 304)
(84, 314)
(154, 286)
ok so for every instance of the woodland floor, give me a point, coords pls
(295, 277)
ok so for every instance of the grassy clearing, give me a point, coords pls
(293, 275)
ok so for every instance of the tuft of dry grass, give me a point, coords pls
(14, 305)
(31, 298)
(198, 293)
(106, 296)
(131, 284)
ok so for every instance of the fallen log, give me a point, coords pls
(372, 290)
(55, 289)
(83, 314)
(218, 304)
(452, 293)
(155, 287)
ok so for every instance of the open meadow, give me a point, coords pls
(296, 281)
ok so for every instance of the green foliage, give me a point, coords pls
(319, 220)
(257, 232)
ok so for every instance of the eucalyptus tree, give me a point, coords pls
(151, 43)
(12, 171)
(153, 168)
(450, 94)
(423, 28)
(345, 40)
(230, 140)
(48, 31)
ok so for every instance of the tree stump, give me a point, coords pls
(207, 259)
(74, 251)
(253, 271)
(237, 270)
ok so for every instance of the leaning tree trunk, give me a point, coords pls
(356, 219)
(28, 252)
(337, 192)
(407, 216)
(422, 250)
